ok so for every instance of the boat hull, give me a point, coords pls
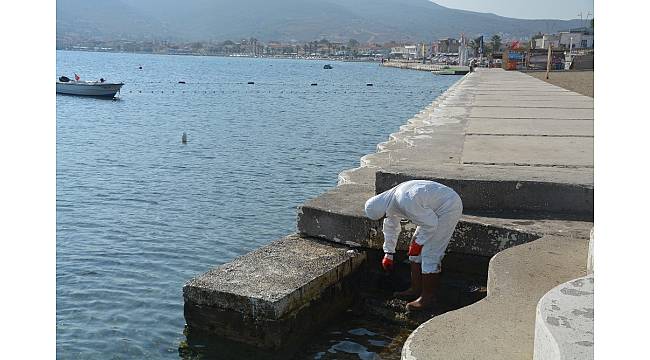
(84, 89)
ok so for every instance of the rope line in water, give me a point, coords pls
(289, 92)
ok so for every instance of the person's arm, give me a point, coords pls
(391, 230)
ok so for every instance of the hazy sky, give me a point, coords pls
(526, 9)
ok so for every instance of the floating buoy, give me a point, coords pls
(184, 138)
(314, 84)
(140, 67)
(369, 84)
(251, 83)
(181, 82)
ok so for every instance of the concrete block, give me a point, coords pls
(338, 216)
(531, 127)
(269, 297)
(361, 176)
(504, 195)
(566, 151)
(539, 103)
(564, 323)
(506, 112)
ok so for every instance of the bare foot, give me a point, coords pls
(408, 294)
(421, 304)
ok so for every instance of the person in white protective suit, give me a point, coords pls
(435, 209)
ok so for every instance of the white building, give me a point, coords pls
(411, 52)
(545, 40)
(581, 38)
(576, 40)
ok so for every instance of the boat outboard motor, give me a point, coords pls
(64, 79)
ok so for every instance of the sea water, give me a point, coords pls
(139, 212)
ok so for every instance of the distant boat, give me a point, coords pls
(327, 66)
(100, 88)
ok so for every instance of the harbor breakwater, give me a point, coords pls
(276, 297)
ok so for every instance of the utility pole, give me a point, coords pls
(424, 53)
(548, 60)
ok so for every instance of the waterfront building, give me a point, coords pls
(580, 38)
(448, 45)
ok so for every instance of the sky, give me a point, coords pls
(526, 9)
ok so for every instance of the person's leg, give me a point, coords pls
(413, 292)
(432, 253)
(429, 279)
(428, 298)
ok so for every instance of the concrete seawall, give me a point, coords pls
(519, 152)
(411, 65)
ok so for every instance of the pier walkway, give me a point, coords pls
(512, 144)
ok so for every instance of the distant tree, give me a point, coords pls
(496, 43)
(228, 43)
(353, 43)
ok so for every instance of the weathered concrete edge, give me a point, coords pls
(199, 295)
(564, 322)
(347, 177)
(499, 281)
(284, 334)
(337, 216)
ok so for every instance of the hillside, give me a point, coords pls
(284, 20)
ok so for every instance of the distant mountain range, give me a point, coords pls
(284, 20)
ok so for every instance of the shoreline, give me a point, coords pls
(230, 56)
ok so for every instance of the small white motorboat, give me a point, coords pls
(99, 88)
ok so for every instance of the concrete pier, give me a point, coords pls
(518, 150)
(512, 146)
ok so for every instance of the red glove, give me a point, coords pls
(415, 249)
(387, 262)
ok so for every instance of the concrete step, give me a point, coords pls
(338, 216)
(564, 325)
(512, 189)
(273, 296)
(501, 326)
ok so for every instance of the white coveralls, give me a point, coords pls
(433, 207)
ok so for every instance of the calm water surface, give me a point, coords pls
(139, 213)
